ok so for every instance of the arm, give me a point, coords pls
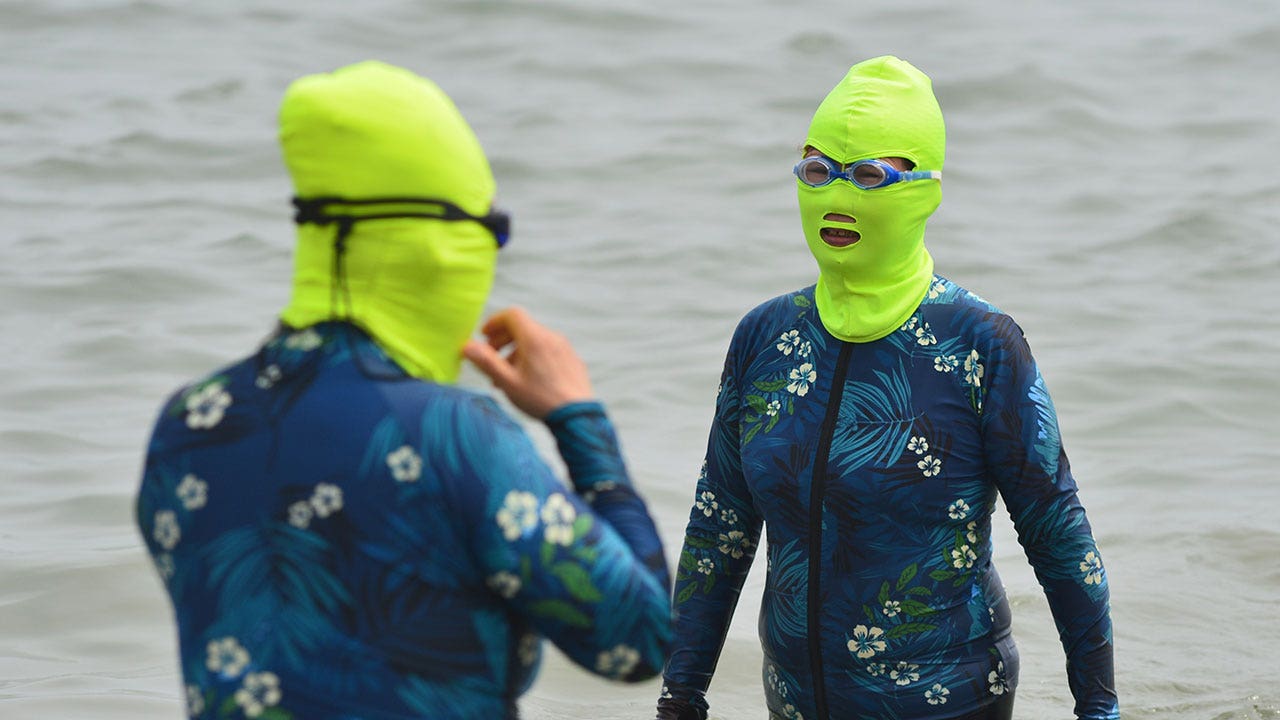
(713, 563)
(1025, 455)
(591, 578)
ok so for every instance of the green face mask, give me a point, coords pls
(884, 107)
(417, 286)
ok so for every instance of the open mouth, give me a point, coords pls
(838, 237)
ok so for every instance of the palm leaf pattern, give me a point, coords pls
(933, 421)
(328, 531)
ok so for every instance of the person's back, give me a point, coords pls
(344, 537)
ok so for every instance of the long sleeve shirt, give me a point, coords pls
(875, 468)
(342, 540)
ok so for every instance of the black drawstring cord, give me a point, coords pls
(338, 288)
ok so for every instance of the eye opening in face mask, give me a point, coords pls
(820, 171)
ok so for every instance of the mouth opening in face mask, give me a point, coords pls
(839, 236)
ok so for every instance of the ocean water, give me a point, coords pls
(1111, 182)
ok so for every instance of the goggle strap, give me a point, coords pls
(315, 211)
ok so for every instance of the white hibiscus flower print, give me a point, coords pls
(226, 657)
(405, 464)
(925, 336)
(326, 499)
(618, 662)
(959, 510)
(1092, 568)
(801, 378)
(166, 530)
(973, 369)
(734, 543)
(206, 406)
(936, 289)
(789, 341)
(772, 674)
(519, 514)
(866, 641)
(706, 502)
(930, 465)
(304, 340)
(805, 349)
(918, 445)
(557, 516)
(706, 566)
(945, 363)
(300, 514)
(666, 693)
(963, 557)
(165, 566)
(877, 669)
(269, 376)
(772, 408)
(260, 691)
(728, 516)
(892, 608)
(937, 695)
(910, 325)
(195, 700)
(790, 713)
(971, 532)
(904, 674)
(528, 649)
(504, 583)
(193, 492)
(998, 685)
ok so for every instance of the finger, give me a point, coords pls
(488, 361)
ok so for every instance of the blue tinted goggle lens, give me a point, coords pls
(818, 171)
(866, 174)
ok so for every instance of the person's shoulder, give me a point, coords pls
(949, 304)
(776, 313)
(203, 404)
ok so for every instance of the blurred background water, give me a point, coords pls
(1111, 183)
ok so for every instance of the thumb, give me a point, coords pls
(488, 361)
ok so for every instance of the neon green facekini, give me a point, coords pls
(372, 130)
(884, 107)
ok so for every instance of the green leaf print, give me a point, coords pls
(871, 614)
(908, 629)
(699, 543)
(577, 581)
(883, 597)
(769, 386)
(801, 301)
(562, 611)
(709, 583)
(751, 433)
(687, 592)
(941, 575)
(687, 562)
(228, 707)
(919, 590)
(275, 713)
(908, 574)
(581, 526)
(915, 608)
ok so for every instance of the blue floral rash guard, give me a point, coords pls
(876, 467)
(340, 540)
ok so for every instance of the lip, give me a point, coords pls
(838, 237)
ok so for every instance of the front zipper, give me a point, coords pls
(816, 487)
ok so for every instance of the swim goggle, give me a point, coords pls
(343, 212)
(819, 171)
